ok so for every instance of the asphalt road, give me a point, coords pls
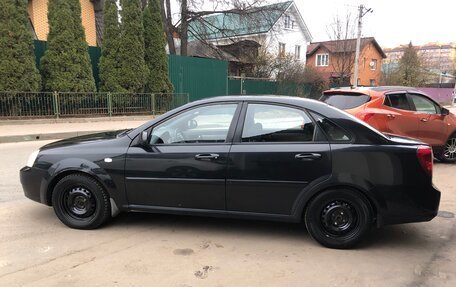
(162, 250)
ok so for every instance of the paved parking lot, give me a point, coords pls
(162, 250)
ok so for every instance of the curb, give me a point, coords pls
(42, 137)
(75, 120)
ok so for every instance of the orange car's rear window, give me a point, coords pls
(345, 101)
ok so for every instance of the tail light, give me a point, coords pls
(424, 155)
(365, 116)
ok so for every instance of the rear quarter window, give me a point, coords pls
(333, 132)
(345, 101)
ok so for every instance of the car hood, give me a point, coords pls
(84, 139)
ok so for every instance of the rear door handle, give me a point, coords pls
(207, 156)
(391, 116)
(308, 156)
(424, 120)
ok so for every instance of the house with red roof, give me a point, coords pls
(335, 61)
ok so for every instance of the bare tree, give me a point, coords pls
(190, 11)
(168, 25)
(266, 64)
(343, 42)
(302, 81)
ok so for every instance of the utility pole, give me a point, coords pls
(362, 11)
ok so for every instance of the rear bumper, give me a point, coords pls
(423, 206)
(33, 183)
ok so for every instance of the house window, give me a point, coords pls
(322, 60)
(287, 22)
(282, 49)
(373, 64)
(297, 52)
(293, 24)
(372, 82)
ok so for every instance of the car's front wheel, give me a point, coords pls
(338, 218)
(449, 150)
(80, 202)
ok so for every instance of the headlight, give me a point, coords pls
(32, 158)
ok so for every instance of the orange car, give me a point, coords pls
(401, 111)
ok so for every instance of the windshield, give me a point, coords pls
(345, 101)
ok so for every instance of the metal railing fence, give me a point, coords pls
(16, 105)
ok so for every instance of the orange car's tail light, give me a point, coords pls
(365, 116)
(424, 155)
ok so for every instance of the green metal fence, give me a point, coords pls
(252, 86)
(243, 86)
(199, 77)
(56, 105)
(202, 78)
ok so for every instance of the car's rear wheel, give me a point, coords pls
(338, 218)
(80, 202)
(449, 150)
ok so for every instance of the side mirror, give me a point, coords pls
(191, 124)
(444, 112)
(143, 138)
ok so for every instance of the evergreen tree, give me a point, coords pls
(155, 54)
(109, 61)
(18, 71)
(410, 72)
(133, 69)
(66, 64)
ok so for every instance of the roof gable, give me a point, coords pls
(254, 21)
(339, 46)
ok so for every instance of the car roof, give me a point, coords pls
(298, 101)
(378, 89)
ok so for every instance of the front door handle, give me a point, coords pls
(391, 116)
(424, 120)
(207, 156)
(308, 156)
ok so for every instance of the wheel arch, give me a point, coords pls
(310, 195)
(62, 174)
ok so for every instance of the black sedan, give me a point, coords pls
(256, 157)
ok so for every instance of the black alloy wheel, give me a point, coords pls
(338, 218)
(80, 202)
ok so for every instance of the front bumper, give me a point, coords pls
(34, 184)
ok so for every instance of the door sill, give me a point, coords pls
(212, 213)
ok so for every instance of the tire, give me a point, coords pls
(448, 153)
(338, 218)
(80, 202)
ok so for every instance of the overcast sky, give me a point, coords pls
(393, 22)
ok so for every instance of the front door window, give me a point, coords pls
(207, 124)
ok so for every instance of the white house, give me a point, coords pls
(279, 28)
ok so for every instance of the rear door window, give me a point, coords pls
(398, 101)
(271, 123)
(345, 101)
